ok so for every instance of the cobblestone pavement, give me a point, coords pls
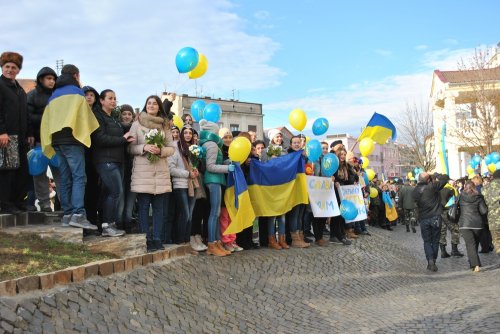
(377, 285)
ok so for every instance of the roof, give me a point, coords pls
(27, 84)
(490, 74)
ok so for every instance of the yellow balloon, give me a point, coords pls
(200, 69)
(178, 122)
(297, 119)
(307, 139)
(492, 167)
(239, 149)
(366, 146)
(410, 175)
(366, 162)
(373, 192)
(370, 173)
(471, 176)
(470, 170)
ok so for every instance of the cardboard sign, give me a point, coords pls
(354, 194)
(322, 196)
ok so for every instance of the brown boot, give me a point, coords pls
(221, 247)
(213, 249)
(321, 242)
(271, 243)
(350, 234)
(301, 234)
(282, 241)
(297, 241)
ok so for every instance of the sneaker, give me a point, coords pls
(365, 233)
(65, 220)
(346, 242)
(79, 220)
(195, 245)
(236, 247)
(335, 240)
(229, 247)
(110, 230)
(200, 243)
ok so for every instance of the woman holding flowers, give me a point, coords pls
(150, 173)
(183, 168)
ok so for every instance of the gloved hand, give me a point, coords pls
(230, 168)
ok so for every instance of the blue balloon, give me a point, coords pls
(320, 126)
(348, 210)
(329, 164)
(417, 170)
(197, 109)
(212, 112)
(495, 157)
(37, 162)
(186, 60)
(313, 150)
(476, 159)
(488, 159)
(498, 165)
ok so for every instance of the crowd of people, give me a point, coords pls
(121, 172)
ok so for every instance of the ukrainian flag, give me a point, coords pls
(67, 108)
(379, 128)
(278, 185)
(238, 203)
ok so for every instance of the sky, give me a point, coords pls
(342, 60)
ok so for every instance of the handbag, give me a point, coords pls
(9, 156)
(454, 211)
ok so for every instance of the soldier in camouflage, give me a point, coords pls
(407, 204)
(446, 194)
(491, 193)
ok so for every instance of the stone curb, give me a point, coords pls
(104, 268)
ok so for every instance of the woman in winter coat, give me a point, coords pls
(184, 182)
(472, 208)
(150, 173)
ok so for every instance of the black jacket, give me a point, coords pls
(65, 136)
(108, 142)
(37, 100)
(445, 195)
(472, 207)
(428, 198)
(13, 113)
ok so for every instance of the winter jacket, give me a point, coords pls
(13, 113)
(445, 194)
(150, 177)
(107, 141)
(406, 200)
(37, 100)
(428, 198)
(179, 173)
(215, 170)
(472, 207)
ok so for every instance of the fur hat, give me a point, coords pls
(11, 57)
(224, 131)
(209, 126)
(273, 133)
(335, 143)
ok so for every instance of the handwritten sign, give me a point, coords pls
(322, 196)
(354, 194)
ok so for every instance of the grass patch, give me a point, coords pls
(25, 255)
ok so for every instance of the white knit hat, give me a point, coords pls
(209, 126)
(272, 133)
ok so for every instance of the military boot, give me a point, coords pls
(455, 251)
(444, 253)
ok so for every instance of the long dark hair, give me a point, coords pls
(182, 144)
(161, 111)
(470, 188)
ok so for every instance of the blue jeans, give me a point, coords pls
(169, 211)
(185, 206)
(295, 218)
(73, 178)
(213, 220)
(111, 174)
(271, 225)
(157, 202)
(431, 233)
(128, 208)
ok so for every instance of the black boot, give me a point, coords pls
(434, 267)
(455, 251)
(407, 228)
(430, 265)
(413, 229)
(444, 253)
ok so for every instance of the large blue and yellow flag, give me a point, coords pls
(67, 108)
(379, 128)
(278, 185)
(237, 201)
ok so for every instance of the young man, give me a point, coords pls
(37, 101)
(66, 126)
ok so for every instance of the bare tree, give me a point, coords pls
(477, 120)
(415, 127)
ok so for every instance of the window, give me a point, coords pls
(252, 128)
(234, 127)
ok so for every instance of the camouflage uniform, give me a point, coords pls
(446, 193)
(491, 193)
(410, 217)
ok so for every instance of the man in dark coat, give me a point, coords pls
(13, 127)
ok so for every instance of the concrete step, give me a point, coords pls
(50, 231)
(10, 220)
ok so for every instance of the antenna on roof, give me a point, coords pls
(59, 65)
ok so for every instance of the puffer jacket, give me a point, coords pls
(108, 141)
(37, 100)
(13, 113)
(471, 209)
(150, 177)
(180, 175)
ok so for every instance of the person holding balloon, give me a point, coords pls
(357, 167)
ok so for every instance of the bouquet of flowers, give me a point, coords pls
(195, 154)
(274, 150)
(154, 137)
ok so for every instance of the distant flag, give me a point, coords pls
(379, 128)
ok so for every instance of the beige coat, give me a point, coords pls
(150, 177)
